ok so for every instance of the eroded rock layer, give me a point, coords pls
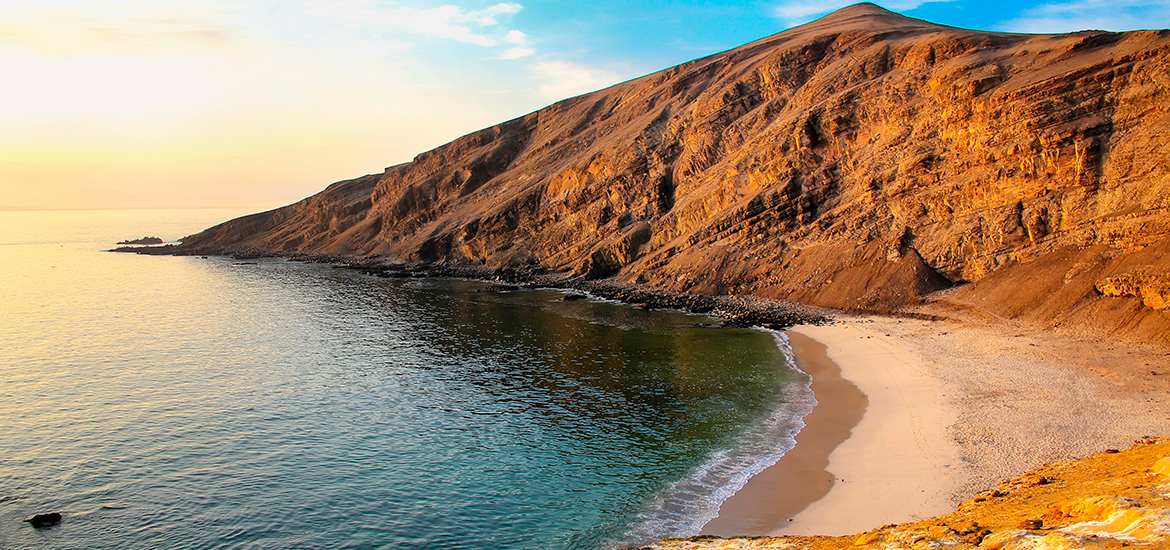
(862, 161)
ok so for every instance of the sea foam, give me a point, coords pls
(682, 508)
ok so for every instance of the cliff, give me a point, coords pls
(862, 161)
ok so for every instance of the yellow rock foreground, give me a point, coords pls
(1108, 500)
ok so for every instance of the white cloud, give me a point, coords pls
(516, 37)
(519, 42)
(517, 53)
(482, 27)
(797, 12)
(1113, 15)
(561, 79)
(487, 16)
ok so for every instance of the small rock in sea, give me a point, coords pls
(501, 288)
(1112, 451)
(40, 521)
(143, 240)
(573, 297)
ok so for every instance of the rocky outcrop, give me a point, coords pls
(1154, 291)
(862, 161)
(143, 240)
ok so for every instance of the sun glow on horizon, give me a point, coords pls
(218, 103)
(201, 104)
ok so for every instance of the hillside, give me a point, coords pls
(862, 161)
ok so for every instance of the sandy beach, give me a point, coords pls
(948, 409)
(801, 475)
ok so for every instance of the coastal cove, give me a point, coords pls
(250, 401)
(950, 404)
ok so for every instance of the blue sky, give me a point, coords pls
(199, 103)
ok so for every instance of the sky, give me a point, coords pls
(255, 104)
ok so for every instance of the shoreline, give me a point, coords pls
(875, 449)
(800, 475)
(955, 406)
(741, 311)
(900, 463)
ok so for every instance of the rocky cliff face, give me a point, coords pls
(862, 161)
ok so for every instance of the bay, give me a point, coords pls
(183, 402)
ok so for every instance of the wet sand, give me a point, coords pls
(901, 462)
(800, 476)
(875, 450)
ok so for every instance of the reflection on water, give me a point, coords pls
(189, 403)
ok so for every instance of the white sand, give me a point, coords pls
(956, 407)
(900, 463)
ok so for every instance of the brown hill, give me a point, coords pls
(861, 161)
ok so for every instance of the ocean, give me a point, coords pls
(189, 403)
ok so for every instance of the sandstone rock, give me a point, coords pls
(1154, 291)
(1032, 524)
(862, 161)
(1161, 467)
(867, 538)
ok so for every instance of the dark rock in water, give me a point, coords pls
(40, 521)
(143, 240)
(573, 297)
(501, 288)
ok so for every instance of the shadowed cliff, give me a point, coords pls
(861, 161)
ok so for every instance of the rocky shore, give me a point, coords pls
(738, 311)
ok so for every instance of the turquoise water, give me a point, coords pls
(162, 402)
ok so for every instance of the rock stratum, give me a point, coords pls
(862, 161)
(1108, 500)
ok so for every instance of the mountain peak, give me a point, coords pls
(859, 9)
(864, 14)
(860, 161)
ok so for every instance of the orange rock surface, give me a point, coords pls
(862, 161)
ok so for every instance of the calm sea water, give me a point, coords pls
(163, 402)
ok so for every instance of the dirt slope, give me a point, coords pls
(861, 161)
